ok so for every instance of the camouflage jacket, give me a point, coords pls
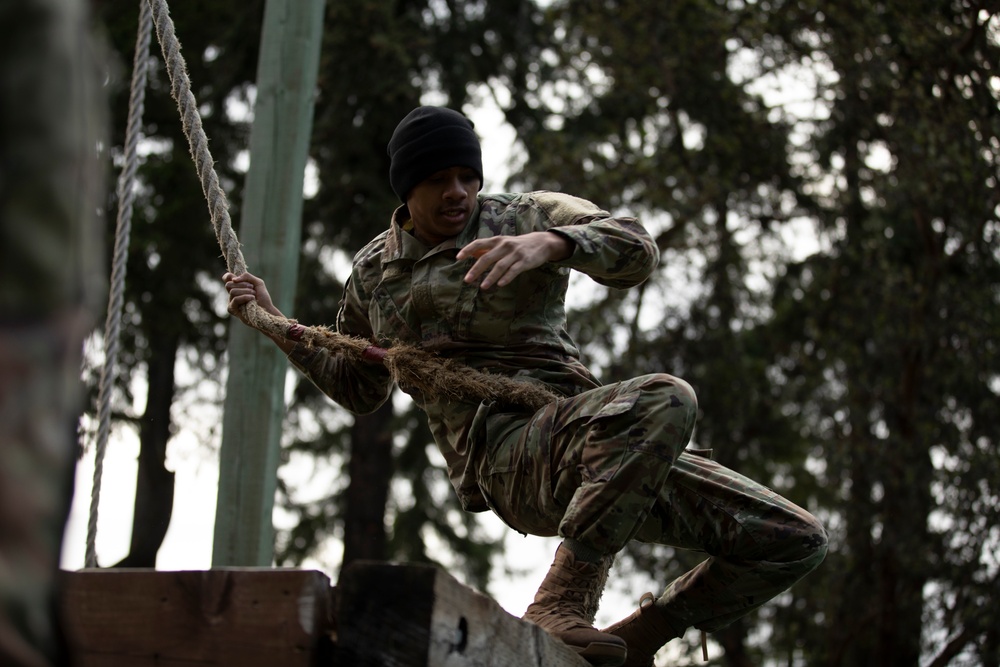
(401, 290)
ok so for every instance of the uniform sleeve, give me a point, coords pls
(614, 251)
(360, 387)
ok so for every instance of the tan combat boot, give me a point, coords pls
(565, 606)
(645, 631)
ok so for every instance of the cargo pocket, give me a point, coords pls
(597, 415)
(511, 481)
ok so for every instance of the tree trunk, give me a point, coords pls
(908, 503)
(154, 490)
(733, 641)
(370, 470)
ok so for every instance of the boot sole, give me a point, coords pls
(602, 655)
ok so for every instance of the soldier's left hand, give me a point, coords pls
(503, 258)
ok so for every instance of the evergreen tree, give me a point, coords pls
(856, 381)
(895, 328)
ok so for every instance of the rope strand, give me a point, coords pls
(123, 230)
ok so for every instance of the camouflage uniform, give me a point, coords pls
(604, 464)
(52, 285)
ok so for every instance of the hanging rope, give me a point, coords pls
(123, 230)
(408, 366)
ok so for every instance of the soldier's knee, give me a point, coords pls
(805, 543)
(817, 544)
(670, 391)
(672, 405)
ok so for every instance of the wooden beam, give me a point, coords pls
(270, 230)
(386, 615)
(221, 617)
(392, 615)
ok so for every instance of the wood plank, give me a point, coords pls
(251, 617)
(392, 615)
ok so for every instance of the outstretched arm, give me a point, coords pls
(360, 388)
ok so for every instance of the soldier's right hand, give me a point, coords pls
(245, 288)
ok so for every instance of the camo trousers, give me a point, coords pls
(610, 465)
(52, 284)
(39, 401)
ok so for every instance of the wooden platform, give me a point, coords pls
(216, 617)
(382, 614)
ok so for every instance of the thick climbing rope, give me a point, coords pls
(408, 366)
(123, 228)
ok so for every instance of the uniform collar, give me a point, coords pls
(400, 241)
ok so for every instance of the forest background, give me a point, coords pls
(821, 180)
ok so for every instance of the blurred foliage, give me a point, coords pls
(855, 378)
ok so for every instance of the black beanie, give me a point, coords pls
(430, 139)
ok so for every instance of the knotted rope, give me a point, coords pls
(408, 366)
(123, 230)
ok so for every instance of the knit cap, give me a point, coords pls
(430, 139)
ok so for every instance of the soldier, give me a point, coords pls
(51, 119)
(481, 279)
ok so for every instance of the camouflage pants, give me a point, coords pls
(51, 286)
(39, 401)
(610, 465)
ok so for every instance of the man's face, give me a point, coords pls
(440, 205)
